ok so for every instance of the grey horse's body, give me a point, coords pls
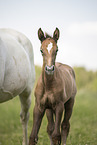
(17, 72)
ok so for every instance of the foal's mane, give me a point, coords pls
(48, 36)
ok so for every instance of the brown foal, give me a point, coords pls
(55, 93)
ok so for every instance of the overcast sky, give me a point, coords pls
(76, 20)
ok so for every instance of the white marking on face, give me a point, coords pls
(49, 47)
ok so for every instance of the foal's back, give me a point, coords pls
(68, 77)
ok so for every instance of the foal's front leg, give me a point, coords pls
(50, 127)
(37, 118)
(56, 136)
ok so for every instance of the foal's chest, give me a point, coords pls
(51, 98)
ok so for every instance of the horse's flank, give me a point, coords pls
(16, 64)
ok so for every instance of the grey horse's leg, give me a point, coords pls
(25, 99)
(37, 118)
(56, 136)
(50, 127)
(65, 124)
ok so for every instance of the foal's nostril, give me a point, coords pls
(46, 68)
(49, 68)
(53, 67)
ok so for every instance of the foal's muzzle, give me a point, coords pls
(49, 69)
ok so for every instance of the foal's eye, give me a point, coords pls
(56, 50)
(41, 51)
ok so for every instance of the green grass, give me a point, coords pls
(83, 121)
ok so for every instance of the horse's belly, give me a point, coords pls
(16, 82)
(13, 85)
(5, 95)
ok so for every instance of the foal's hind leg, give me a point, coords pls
(25, 99)
(65, 124)
(50, 127)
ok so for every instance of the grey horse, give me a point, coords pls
(17, 72)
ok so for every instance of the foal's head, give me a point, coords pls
(49, 50)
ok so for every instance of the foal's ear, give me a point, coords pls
(56, 35)
(41, 35)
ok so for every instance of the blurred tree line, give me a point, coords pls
(86, 79)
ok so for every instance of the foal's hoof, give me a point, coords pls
(33, 141)
(56, 140)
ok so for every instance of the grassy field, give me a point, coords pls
(83, 121)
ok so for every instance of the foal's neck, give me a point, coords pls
(48, 80)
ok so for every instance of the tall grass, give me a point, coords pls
(83, 121)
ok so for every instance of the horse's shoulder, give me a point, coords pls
(66, 68)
